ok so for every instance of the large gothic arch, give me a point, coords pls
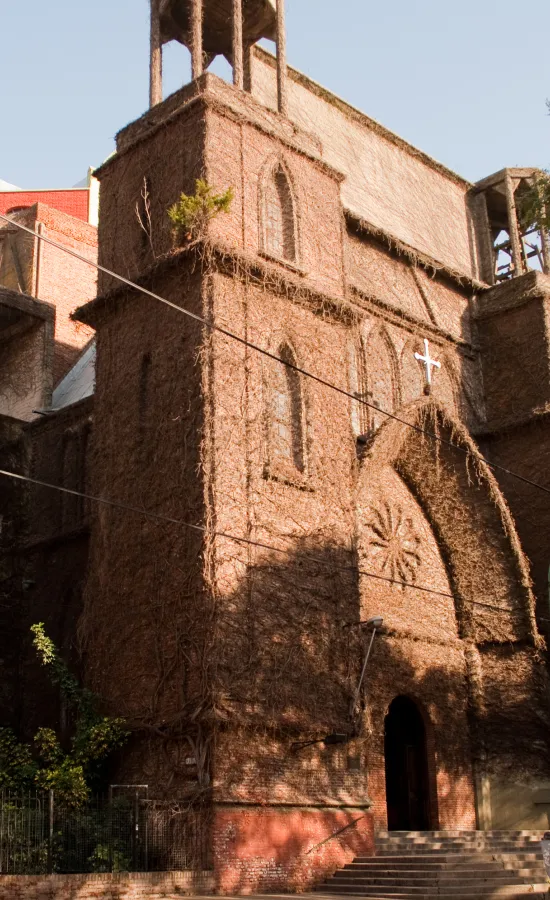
(440, 561)
(471, 522)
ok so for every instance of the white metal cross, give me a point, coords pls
(429, 363)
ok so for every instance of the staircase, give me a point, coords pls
(449, 865)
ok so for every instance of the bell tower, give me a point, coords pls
(209, 28)
(185, 418)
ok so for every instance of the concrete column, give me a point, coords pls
(248, 50)
(545, 250)
(282, 74)
(238, 62)
(487, 255)
(155, 64)
(197, 60)
(515, 239)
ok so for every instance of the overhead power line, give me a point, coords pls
(273, 356)
(128, 507)
(212, 326)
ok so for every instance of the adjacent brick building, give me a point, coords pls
(43, 541)
(273, 514)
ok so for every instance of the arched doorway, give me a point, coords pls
(407, 786)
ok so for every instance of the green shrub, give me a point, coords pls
(534, 203)
(191, 214)
(44, 764)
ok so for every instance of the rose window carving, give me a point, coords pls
(393, 544)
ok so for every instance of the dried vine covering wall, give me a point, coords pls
(12, 507)
(53, 551)
(222, 653)
(388, 182)
(512, 322)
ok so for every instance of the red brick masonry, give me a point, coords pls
(74, 202)
(286, 849)
(150, 885)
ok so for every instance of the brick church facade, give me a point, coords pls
(234, 646)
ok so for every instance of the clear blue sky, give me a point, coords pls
(465, 81)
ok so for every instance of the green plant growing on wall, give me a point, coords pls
(534, 206)
(45, 764)
(192, 213)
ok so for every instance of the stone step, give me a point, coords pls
(458, 842)
(536, 891)
(471, 878)
(458, 865)
(531, 874)
(453, 848)
(451, 858)
(434, 857)
(462, 839)
(449, 874)
(456, 833)
(458, 845)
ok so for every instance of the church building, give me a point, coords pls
(318, 591)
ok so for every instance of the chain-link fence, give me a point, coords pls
(124, 833)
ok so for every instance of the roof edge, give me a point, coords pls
(362, 118)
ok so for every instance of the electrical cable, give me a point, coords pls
(127, 507)
(250, 345)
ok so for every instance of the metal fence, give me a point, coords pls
(114, 834)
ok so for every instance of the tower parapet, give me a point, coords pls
(507, 248)
(217, 27)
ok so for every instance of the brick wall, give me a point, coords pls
(66, 282)
(146, 886)
(24, 371)
(264, 850)
(12, 458)
(52, 554)
(72, 202)
(52, 275)
(526, 449)
(229, 652)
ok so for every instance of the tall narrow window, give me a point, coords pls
(359, 412)
(381, 378)
(74, 507)
(286, 413)
(70, 503)
(144, 389)
(279, 223)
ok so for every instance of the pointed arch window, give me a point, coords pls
(357, 382)
(279, 225)
(286, 415)
(381, 379)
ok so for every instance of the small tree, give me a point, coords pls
(191, 214)
(534, 206)
(44, 763)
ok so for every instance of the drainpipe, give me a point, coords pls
(38, 255)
